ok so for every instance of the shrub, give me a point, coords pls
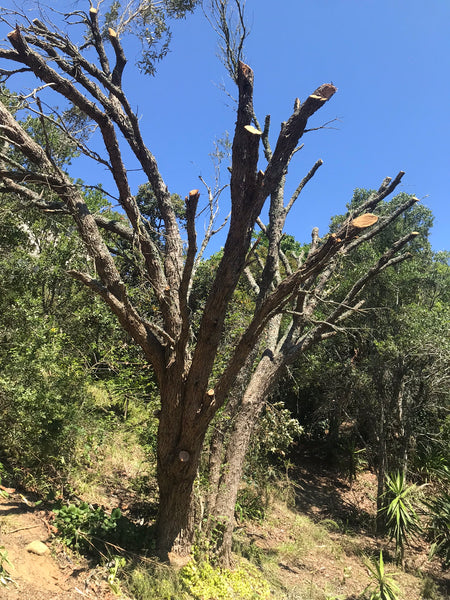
(439, 526)
(85, 528)
(382, 586)
(401, 519)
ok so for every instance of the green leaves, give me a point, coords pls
(385, 586)
(402, 521)
(82, 526)
(439, 526)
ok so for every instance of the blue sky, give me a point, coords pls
(389, 59)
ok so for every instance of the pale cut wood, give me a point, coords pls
(253, 130)
(112, 33)
(364, 221)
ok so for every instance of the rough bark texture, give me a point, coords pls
(184, 364)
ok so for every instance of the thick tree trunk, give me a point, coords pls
(176, 519)
(179, 451)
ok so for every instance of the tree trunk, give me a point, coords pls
(382, 466)
(176, 518)
(222, 512)
(179, 450)
(402, 434)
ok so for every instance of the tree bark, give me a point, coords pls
(381, 467)
(244, 423)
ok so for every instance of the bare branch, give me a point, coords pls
(231, 28)
(302, 184)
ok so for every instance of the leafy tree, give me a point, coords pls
(290, 310)
(385, 376)
(57, 341)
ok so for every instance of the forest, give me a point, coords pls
(267, 419)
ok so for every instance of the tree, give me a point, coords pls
(291, 307)
(386, 377)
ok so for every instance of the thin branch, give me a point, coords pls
(302, 184)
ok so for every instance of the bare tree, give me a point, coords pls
(183, 363)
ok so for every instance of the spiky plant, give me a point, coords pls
(402, 521)
(383, 586)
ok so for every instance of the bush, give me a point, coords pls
(402, 521)
(42, 393)
(85, 528)
(199, 581)
(439, 526)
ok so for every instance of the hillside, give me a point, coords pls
(313, 550)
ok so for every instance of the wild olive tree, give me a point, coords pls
(194, 382)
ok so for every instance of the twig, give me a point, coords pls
(23, 528)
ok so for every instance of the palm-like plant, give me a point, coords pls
(402, 521)
(386, 587)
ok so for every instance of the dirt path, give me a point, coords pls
(51, 576)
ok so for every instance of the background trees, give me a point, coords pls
(146, 275)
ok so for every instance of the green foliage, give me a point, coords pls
(198, 581)
(251, 505)
(85, 528)
(204, 582)
(156, 582)
(402, 521)
(384, 586)
(429, 590)
(115, 568)
(275, 435)
(149, 22)
(4, 575)
(58, 349)
(42, 390)
(439, 526)
(353, 459)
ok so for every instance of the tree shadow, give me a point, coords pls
(322, 493)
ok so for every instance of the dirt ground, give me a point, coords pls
(52, 576)
(332, 565)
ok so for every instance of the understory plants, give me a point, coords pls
(4, 575)
(402, 521)
(199, 581)
(85, 528)
(383, 585)
(439, 526)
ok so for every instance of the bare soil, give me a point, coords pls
(311, 561)
(55, 575)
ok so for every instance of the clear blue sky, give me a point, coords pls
(389, 59)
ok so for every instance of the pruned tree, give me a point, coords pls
(287, 292)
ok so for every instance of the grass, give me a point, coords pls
(300, 555)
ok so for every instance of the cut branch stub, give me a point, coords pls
(356, 225)
(184, 456)
(253, 130)
(364, 221)
(324, 92)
